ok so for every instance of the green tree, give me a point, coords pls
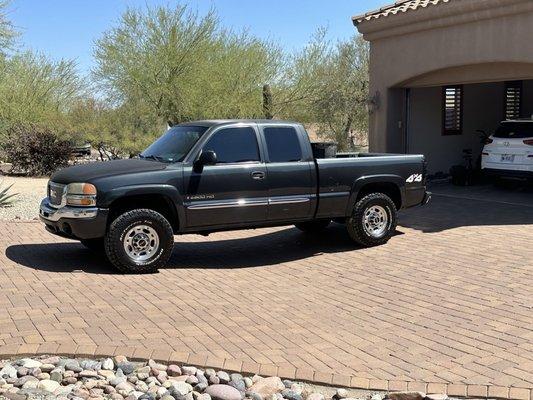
(7, 31)
(183, 66)
(35, 89)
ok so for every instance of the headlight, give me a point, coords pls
(81, 195)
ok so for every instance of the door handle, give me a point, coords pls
(258, 175)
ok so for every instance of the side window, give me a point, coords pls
(283, 144)
(234, 145)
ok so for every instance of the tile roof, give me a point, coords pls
(402, 6)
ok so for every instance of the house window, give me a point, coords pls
(513, 99)
(452, 110)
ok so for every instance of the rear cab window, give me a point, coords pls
(283, 144)
(515, 130)
(234, 145)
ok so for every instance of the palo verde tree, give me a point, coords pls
(182, 66)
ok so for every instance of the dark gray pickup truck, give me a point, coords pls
(207, 176)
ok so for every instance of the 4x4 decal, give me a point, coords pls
(414, 178)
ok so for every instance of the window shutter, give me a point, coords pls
(513, 100)
(452, 110)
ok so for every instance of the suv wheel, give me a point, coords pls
(373, 220)
(139, 241)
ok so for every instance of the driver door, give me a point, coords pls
(234, 191)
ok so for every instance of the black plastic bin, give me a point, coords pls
(324, 149)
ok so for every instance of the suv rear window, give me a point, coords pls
(515, 130)
(282, 144)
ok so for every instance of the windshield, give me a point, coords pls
(174, 145)
(515, 130)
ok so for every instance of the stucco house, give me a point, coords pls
(442, 69)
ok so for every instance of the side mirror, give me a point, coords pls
(208, 157)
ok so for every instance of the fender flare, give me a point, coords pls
(362, 181)
(167, 191)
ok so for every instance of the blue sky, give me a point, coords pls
(68, 28)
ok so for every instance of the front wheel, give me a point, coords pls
(139, 241)
(373, 220)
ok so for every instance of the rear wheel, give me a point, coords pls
(373, 220)
(139, 241)
(94, 244)
(313, 226)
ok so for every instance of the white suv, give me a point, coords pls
(509, 152)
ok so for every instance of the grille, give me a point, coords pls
(55, 193)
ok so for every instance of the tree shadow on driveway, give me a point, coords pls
(253, 250)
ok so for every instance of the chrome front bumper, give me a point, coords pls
(49, 213)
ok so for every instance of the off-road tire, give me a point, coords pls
(114, 241)
(94, 244)
(355, 224)
(313, 226)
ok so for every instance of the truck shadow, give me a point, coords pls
(256, 250)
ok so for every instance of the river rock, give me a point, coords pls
(48, 385)
(223, 392)
(173, 370)
(267, 386)
(406, 396)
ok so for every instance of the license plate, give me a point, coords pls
(507, 158)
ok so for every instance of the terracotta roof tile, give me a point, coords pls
(402, 6)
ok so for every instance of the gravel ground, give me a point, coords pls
(52, 377)
(30, 193)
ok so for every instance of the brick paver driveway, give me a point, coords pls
(448, 302)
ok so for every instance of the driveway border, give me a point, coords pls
(305, 375)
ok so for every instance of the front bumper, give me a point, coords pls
(74, 222)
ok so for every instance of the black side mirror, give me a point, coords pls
(208, 157)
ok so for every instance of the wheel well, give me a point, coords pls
(160, 203)
(390, 189)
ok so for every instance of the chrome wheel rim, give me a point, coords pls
(141, 242)
(375, 221)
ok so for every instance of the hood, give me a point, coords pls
(92, 171)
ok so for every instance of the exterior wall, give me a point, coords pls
(492, 35)
(483, 109)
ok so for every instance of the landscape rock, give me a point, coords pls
(48, 385)
(108, 364)
(180, 388)
(223, 392)
(8, 371)
(291, 395)
(436, 396)
(173, 370)
(189, 370)
(126, 367)
(223, 376)
(267, 386)
(21, 381)
(341, 394)
(406, 396)
(29, 363)
(156, 365)
(316, 396)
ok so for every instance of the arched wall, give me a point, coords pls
(489, 49)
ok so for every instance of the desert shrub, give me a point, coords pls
(34, 150)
